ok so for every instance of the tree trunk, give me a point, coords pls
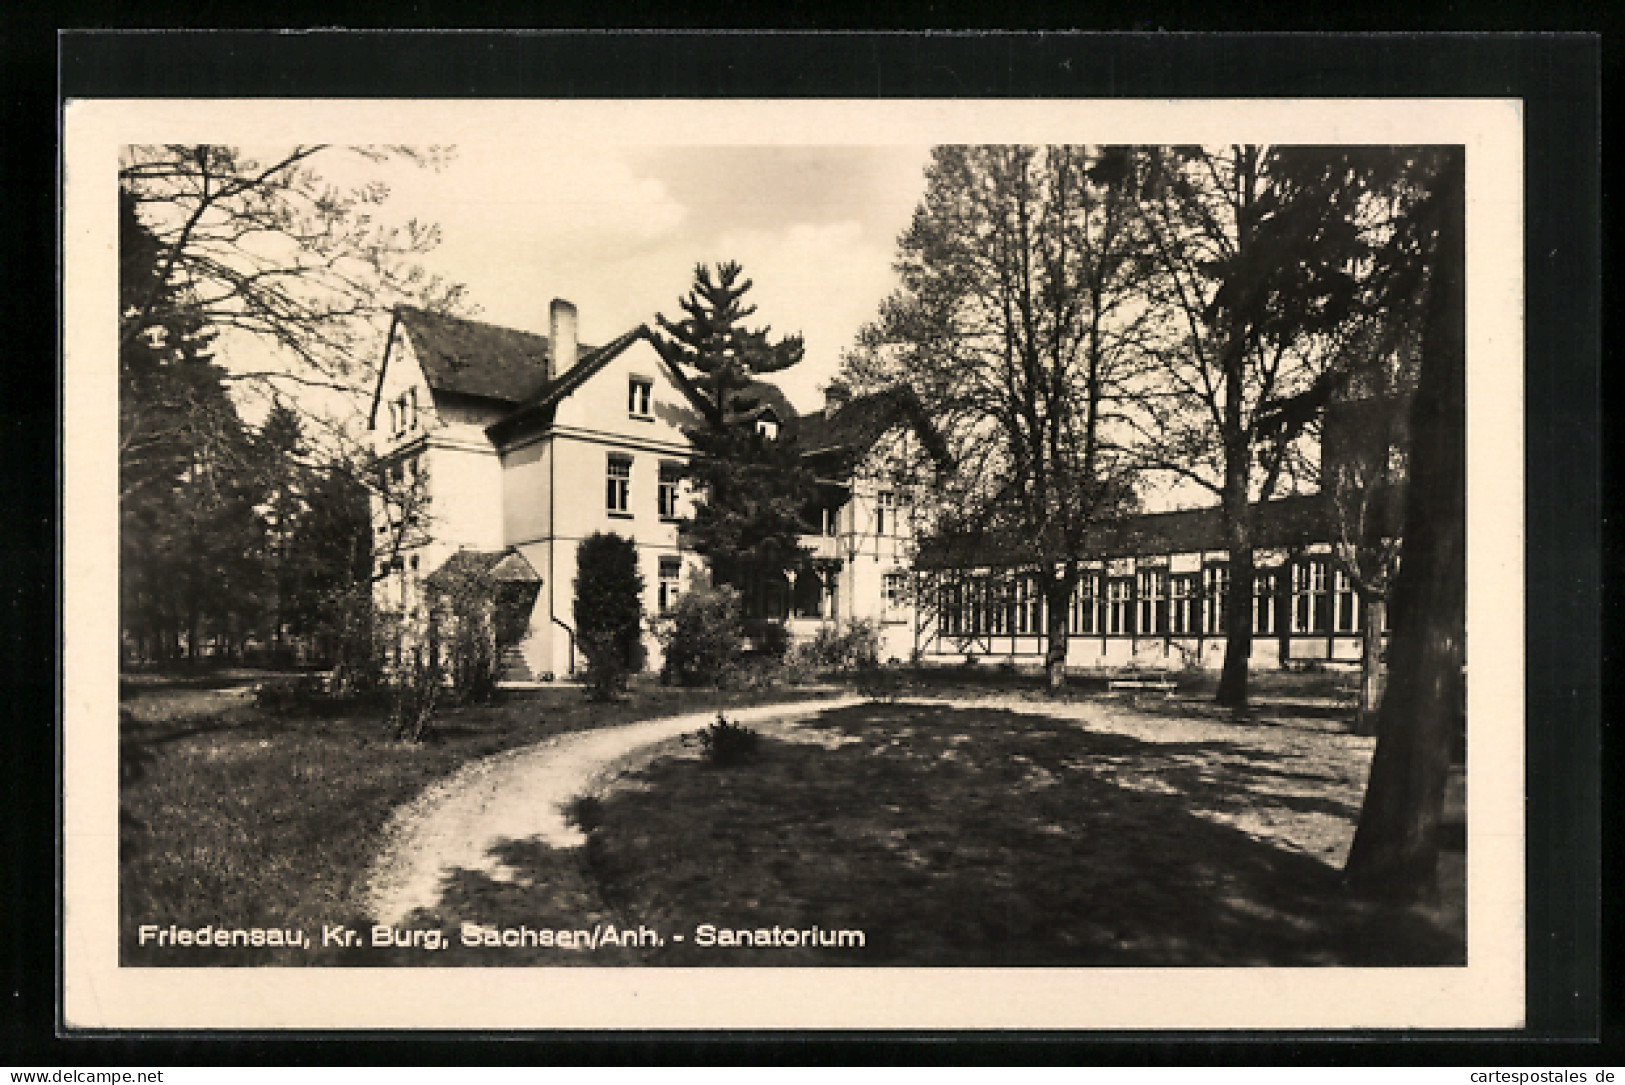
(1057, 599)
(1365, 718)
(1238, 616)
(1396, 847)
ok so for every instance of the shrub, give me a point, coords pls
(291, 696)
(414, 693)
(609, 611)
(771, 638)
(844, 649)
(702, 635)
(751, 672)
(726, 743)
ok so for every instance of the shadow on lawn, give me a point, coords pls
(972, 837)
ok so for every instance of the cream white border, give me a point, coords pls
(1488, 992)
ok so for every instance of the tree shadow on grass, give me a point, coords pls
(953, 838)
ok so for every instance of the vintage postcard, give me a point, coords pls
(954, 564)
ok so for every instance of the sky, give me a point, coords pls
(618, 231)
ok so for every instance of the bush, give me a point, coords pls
(609, 611)
(771, 638)
(752, 672)
(726, 743)
(414, 693)
(845, 649)
(702, 636)
(300, 695)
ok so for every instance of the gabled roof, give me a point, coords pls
(503, 566)
(548, 396)
(1281, 524)
(856, 426)
(471, 357)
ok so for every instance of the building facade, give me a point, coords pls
(514, 447)
(506, 449)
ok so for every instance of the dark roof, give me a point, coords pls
(502, 565)
(855, 427)
(471, 357)
(548, 395)
(1284, 523)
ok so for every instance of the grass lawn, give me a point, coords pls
(1106, 831)
(240, 819)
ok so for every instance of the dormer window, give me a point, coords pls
(640, 397)
(768, 425)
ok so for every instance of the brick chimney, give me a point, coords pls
(561, 338)
(836, 396)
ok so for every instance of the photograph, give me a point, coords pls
(793, 564)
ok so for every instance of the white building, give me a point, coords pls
(523, 445)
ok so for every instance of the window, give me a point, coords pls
(894, 586)
(403, 413)
(639, 397)
(618, 493)
(1346, 609)
(1029, 605)
(998, 606)
(1182, 591)
(1085, 603)
(1215, 586)
(671, 475)
(885, 511)
(671, 570)
(1309, 596)
(1153, 584)
(1266, 592)
(1119, 605)
(831, 521)
(951, 606)
(768, 425)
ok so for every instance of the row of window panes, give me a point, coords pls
(618, 487)
(1154, 602)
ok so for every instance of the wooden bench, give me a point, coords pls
(1135, 685)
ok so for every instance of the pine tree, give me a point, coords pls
(711, 340)
(754, 488)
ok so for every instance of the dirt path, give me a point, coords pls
(522, 795)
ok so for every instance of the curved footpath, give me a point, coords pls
(522, 795)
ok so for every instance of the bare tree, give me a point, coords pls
(1017, 324)
(1260, 255)
(268, 247)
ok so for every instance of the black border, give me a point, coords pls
(1557, 77)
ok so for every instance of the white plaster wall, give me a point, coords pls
(527, 481)
(600, 405)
